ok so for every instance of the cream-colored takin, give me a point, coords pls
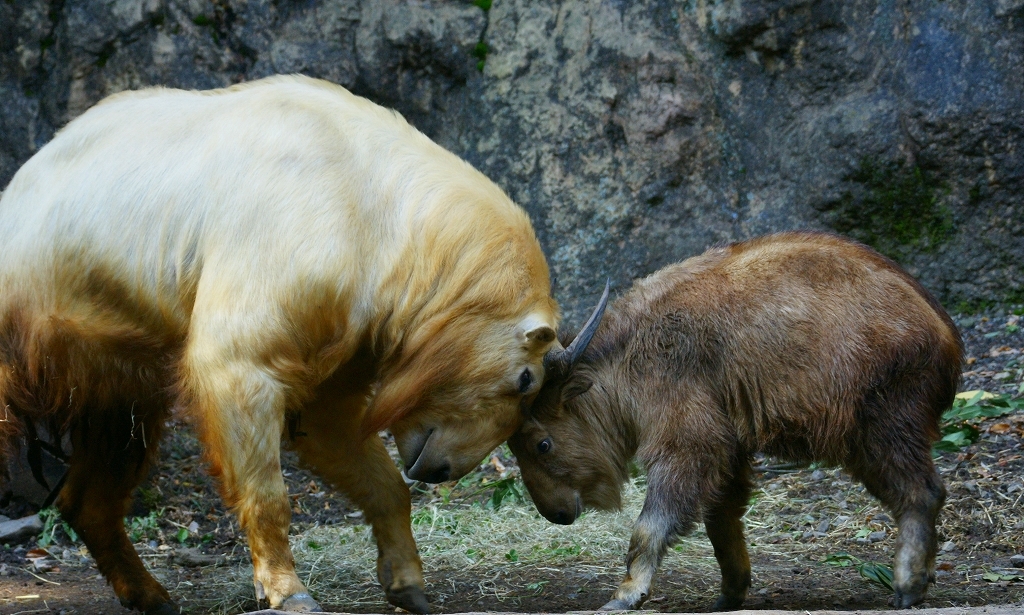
(804, 346)
(279, 257)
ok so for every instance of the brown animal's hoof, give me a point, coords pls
(301, 603)
(906, 600)
(167, 608)
(618, 605)
(410, 598)
(727, 604)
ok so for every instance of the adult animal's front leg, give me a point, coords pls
(241, 414)
(330, 443)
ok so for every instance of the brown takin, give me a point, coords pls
(278, 260)
(804, 346)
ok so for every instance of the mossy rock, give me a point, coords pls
(895, 208)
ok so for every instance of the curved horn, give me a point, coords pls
(566, 359)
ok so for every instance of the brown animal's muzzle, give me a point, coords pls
(563, 514)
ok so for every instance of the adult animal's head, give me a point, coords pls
(473, 321)
(568, 448)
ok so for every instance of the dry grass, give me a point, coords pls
(796, 516)
(337, 563)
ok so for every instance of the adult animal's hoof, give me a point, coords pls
(301, 603)
(167, 608)
(724, 603)
(410, 598)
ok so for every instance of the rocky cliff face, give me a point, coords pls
(636, 132)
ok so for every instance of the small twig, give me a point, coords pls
(39, 577)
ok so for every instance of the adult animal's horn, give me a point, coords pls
(562, 361)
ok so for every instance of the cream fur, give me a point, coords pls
(250, 248)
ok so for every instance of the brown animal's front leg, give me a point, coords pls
(111, 453)
(241, 413)
(724, 524)
(329, 442)
(670, 510)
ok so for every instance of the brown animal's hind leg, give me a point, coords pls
(913, 491)
(111, 453)
(724, 525)
(329, 442)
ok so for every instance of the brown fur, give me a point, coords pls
(804, 346)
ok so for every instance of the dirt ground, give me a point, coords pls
(808, 529)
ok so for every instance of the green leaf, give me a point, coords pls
(512, 556)
(504, 489)
(879, 574)
(841, 559)
(182, 534)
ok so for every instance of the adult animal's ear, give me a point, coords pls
(562, 362)
(535, 333)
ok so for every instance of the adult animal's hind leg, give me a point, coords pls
(724, 524)
(904, 478)
(330, 442)
(111, 451)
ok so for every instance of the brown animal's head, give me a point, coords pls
(562, 448)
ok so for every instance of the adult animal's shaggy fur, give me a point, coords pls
(279, 257)
(804, 346)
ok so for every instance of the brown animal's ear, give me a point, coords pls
(575, 387)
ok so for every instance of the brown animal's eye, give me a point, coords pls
(525, 380)
(544, 446)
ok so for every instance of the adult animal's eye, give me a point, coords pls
(525, 380)
(544, 446)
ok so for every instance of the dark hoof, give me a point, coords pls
(906, 600)
(300, 603)
(618, 605)
(727, 604)
(410, 598)
(167, 608)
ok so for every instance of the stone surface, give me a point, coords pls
(635, 132)
(20, 528)
(1009, 609)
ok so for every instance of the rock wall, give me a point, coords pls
(636, 132)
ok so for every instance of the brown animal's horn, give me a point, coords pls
(564, 360)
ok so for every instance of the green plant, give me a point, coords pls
(879, 574)
(51, 523)
(144, 528)
(959, 424)
(504, 489)
(480, 53)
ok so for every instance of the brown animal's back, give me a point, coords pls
(791, 333)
